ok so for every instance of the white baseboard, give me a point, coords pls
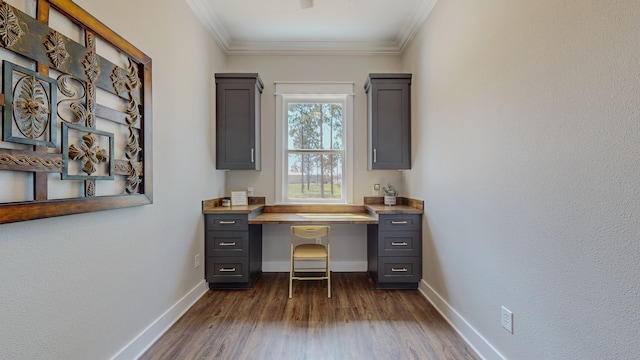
(480, 345)
(136, 347)
(336, 266)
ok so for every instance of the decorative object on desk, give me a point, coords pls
(226, 202)
(390, 194)
(239, 198)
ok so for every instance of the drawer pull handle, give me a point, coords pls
(233, 269)
(252, 155)
(228, 244)
(222, 222)
(404, 243)
(404, 222)
(404, 269)
(375, 155)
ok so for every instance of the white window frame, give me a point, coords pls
(313, 92)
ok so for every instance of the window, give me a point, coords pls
(315, 153)
(313, 124)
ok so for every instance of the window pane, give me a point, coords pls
(314, 176)
(315, 126)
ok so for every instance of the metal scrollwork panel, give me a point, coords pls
(87, 151)
(56, 49)
(71, 106)
(10, 30)
(29, 116)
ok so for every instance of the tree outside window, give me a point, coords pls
(315, 152)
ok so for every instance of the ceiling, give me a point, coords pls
(243, 27)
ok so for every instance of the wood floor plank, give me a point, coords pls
(358, 322)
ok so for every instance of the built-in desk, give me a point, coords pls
(314, 218)
(233, 238)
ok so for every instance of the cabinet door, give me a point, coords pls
(237, 122)
(399, 269)
(389, 123)
(227, 243)
(399, 243)
(227, 222)
(400, 222)
(227, 269)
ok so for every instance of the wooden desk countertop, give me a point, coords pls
(244, 209)
(214, 206)
(314, 218)
(396, 209)
(259, 213)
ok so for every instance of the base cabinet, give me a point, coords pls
(394, 251)
(233, 250)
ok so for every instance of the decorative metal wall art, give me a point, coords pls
(54, 120)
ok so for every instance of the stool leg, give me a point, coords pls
(328, 279)
(291, 275)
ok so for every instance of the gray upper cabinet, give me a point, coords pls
(238, 121)
(389, 120)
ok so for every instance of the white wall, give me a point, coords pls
(348, 243)
(312, 68)
(83, 286)
(526, 128)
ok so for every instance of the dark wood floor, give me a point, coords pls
(358, 322)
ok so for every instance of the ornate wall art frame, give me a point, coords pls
(76, 125)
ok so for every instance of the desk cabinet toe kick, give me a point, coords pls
(394, 251)
(233, 251)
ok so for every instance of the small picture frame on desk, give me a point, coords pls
(239, 198)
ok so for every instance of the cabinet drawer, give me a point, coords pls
(229, 222)
(399, 269)
(228, 269)
(397, 222)
(227, 243)
(399, 243)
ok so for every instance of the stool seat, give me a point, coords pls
(310, 251)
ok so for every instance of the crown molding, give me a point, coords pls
(312, 48)
(208, 18)
(418, 16)
(206, 15)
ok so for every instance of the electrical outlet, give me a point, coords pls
(507, 319)
(196, 261)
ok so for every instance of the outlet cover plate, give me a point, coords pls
(507, 319)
